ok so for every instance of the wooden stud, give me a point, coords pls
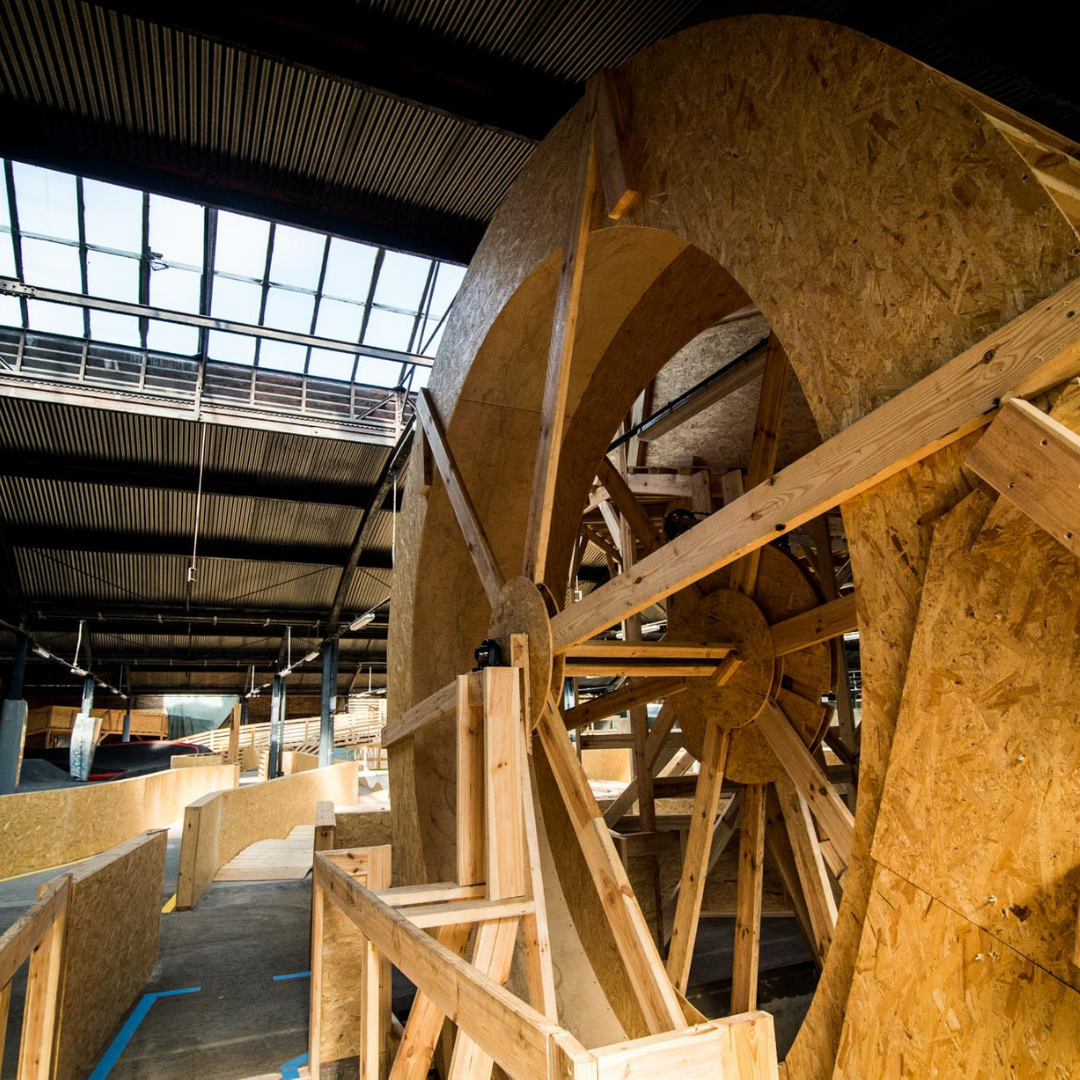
(812, 783)
(816, 887)
(654, 761)
(42, 1002)
(504, 812)
(487, 566)
(631, 511)
(5, 1006)
(637, 692)
(744, 967)
(698, 849)
(654, 992)
(471, 777)
(1032, 353)
(560, 357)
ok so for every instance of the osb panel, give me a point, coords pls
(935, 996)
(362, 828)
(981, 800)
(889, 530)
(720, 436)
(110, 947)
(40, 829)
(877, 221)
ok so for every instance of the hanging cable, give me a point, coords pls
(198, 510)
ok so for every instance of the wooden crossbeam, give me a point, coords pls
(437, 706)
(744, 964)
(487, 566)
(698, 848)
(1032, 353)
(637, 692)
(827, 621)
(647, 650)
(812, 783)
(640, 667)
(1034, 461)
(427, 916)
(656, 997)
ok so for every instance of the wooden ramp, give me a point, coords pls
(273, 860)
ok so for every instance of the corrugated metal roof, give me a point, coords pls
(209, 107)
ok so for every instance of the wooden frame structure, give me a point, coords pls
(500, 886)
(724, 197)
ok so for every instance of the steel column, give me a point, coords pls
(329, 701)
(13, 720)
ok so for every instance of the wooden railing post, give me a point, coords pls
(42, 1003)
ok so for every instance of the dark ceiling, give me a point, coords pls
(397, 123)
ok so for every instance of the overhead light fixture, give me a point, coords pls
(313, 655)
(362, 621)
(43, 653)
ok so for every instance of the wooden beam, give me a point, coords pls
(471, 777)
(503, 796)
(763, 449)
(718, 386)
(698, 847)
(492, 956)
(822, 623)
(437, 706)
(615, 173)
(1034, 461)
(655, 746)
(440, 892)
(427, 916)
(560, 355)
(639, 667)
(425, 1022)
(647, 650)
(816, 887)
(487, 566)
(645, 532)
(1032, 353)
(744, 964)
(814, 786)
(656, 997)
(636, 692)
(539, 970)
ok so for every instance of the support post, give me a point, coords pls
(88, 695)
(277, 727)
(125, 680)
(13, 720)
(329, 701)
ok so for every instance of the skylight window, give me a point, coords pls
(331, 308)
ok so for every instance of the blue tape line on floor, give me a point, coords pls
(138, 1015)
(294, 975)
(291, 1069)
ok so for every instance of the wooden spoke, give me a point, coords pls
(812, 783)
(726, 826)
(560, 355)
(632, 512)
(830, 620)
(1035, 351)
(770, 415)
(615, 173)
(639, 954)
(816, 887)
(635, 692)
(698, 849)
(487, 566)
(655, 760)
(744, 966)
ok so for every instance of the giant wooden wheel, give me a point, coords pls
(768, 182)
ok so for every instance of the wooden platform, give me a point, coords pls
(273, 860)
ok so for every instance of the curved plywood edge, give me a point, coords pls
(41, 829)
(219, 826)
(881, 226)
